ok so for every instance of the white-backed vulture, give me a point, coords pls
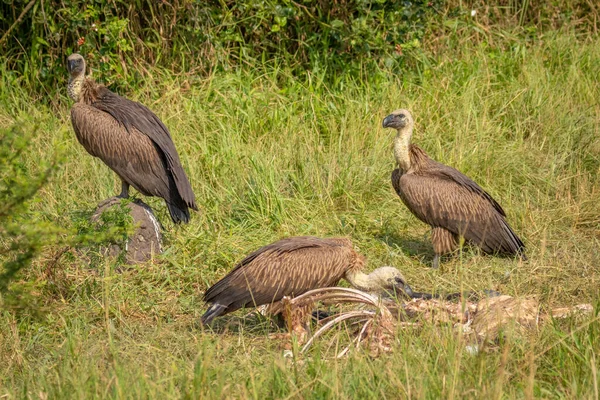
(451, 203)
(293, 266)
(130, 139)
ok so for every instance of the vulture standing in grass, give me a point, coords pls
(130, 139)
(293, 266)
(447, 200)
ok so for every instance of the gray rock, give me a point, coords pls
(146, 239)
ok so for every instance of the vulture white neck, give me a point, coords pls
(401, 147)
(75, 85)
(365, 282)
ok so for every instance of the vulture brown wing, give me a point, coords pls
(285, 268)
(443, 202)
(449, 173)
(131, 114)
(132, 155)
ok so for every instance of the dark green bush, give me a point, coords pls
(331, 38)
(340, 37)
(24, 233)
(21, 238)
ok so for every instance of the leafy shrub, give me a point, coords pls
(24, 233)
(341, 37)
(332, 38)
(22, 238)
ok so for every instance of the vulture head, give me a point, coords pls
(75, 65)
(390, 279)
(398, 119)
(76, 68)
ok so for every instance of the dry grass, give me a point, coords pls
(269, 156)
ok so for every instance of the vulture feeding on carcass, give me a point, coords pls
(293, 266)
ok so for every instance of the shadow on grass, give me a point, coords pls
(411, 246)
(422, 249)
(250, 322)
(255, 324)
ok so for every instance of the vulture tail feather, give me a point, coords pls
(213, 312)
(513, 244)
(179, 213)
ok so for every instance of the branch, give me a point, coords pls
(27, 8)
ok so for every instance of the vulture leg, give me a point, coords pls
(444, 242)
(124, 190)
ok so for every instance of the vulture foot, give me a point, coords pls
(108, 202)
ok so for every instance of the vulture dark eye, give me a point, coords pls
(401, 116)
(398, 280)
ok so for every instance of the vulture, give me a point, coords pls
(130, 139)
(293, 266)
(451, 203)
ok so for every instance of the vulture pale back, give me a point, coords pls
(291, 267)
(446, 199)
(130, 140)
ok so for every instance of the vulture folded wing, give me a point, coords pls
(449, 173)
(288, 267)
(459, 208)
(134, 115)
(132, 155)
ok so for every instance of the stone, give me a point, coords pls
(146, 240)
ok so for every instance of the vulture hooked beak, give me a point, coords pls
(387, 121)
(71, 64)
(404, 287)
(75, 64)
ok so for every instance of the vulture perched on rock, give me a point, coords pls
(293, 266)
(130, 139)
(446, 199)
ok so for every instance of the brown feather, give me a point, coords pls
(444, 198)
(443, 241)
(288, 267)
(134, 143)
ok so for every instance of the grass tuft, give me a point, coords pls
(269, 156)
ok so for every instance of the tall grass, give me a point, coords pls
(269, 156)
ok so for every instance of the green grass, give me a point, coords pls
(270, 156)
